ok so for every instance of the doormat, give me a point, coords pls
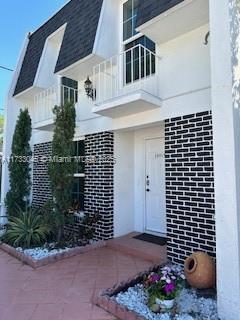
(162, 241)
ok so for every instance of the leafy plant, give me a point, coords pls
(19, 166)
(50, 218)
(84, 230)
(27, 230)
(62, 168)
(164, 284)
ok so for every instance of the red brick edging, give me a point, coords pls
(106, 299)
(50, 259)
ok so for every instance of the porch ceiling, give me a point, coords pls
(182, 18)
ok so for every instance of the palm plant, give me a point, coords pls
(27, 230)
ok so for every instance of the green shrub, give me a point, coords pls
(19, 165)
(61, 172)
(27, 230)
(51, 219)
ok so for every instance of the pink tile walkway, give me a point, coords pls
(64, 290)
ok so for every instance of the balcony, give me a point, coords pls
(127, 83)
(44, 102)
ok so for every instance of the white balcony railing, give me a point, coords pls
(45, 101)
(134, 69)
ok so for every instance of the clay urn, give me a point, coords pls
(200, 270)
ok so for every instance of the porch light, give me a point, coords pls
(90, 91)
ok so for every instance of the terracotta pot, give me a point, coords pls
(199, 270)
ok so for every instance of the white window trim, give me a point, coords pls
(78, 138)
(79, 175)
(135, 37)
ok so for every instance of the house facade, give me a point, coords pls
(155, 86)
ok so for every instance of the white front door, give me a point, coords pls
(155, 213)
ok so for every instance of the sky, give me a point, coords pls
(17, 18)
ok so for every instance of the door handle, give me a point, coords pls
(147, 190)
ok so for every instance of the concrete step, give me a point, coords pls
(138, 248)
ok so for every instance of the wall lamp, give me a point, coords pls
(90, 91)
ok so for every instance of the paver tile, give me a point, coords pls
(64, 290)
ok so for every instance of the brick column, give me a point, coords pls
(41, 192)
(98, 188)
(189, 185)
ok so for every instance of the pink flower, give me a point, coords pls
(169, 288)
(154, 278)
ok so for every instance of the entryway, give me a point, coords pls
(155, 210)
(128, 244)
(139, 181)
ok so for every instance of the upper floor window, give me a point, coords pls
(129, 18)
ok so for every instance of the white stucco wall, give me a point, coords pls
(123, 183)
(185, 64)
(108, 32)
(45, 76)
(225, 78)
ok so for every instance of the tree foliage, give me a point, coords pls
(19, 165)
(61, 166)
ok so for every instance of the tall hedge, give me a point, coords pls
(61, 167)
(19, 165)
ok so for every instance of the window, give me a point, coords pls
(129, 18)
(69, 90)
(78, 193)
(79, 151)
(136, 69)
(78, 183)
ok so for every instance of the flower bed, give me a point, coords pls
(136, 299)
(39, 257)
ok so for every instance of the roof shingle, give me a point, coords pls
(82, 18)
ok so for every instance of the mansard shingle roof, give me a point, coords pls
(82, 18)
(149, 9)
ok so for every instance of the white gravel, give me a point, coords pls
(40, 253)
(188, 305)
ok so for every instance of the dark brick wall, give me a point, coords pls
(98, 186)
(189, 185)
(41, 187)
(98, 194)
